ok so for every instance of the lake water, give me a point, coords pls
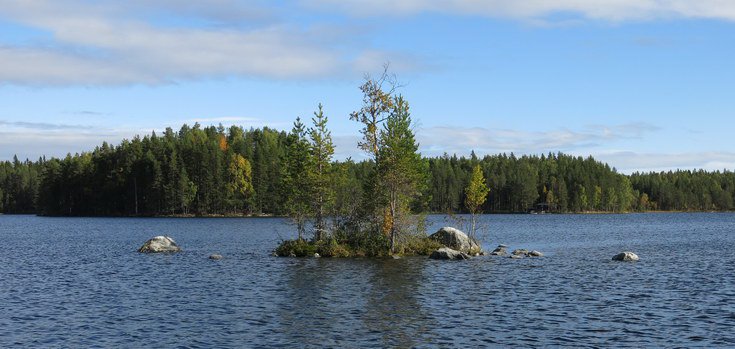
(78, 282)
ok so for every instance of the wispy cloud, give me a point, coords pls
(86, 113)
(42, 125)
(541, 10)
(461, 140)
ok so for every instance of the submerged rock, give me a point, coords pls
(448, 253)
(456, 239)
(159, 244)
(215, 257)
(516, 256)
(626, 257)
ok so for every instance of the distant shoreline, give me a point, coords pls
(214, 216)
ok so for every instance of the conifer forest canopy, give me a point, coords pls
(216, 170)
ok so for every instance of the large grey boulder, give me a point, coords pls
(626, 257)
(448, 253)
(159, 244)
(456, 240)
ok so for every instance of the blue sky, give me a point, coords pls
(643, 85)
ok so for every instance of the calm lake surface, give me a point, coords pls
(78, 282)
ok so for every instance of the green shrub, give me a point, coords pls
(298, 248)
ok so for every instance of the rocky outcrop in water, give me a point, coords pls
(520, 252)
(625, 257)
(159, 244)
(501, 250)
(448, 253)
(215, 257)
(457, 240)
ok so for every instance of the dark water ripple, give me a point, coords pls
(79, 283)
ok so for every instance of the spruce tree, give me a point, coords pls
(401, 171)
(297, 189)
(322, 150)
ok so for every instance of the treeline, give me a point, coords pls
(213, 170)
(553, 182)
(19, 185)
(193, 171)
(686, 190)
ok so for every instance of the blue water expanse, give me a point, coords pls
(79, 282)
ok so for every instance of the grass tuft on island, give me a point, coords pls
(346, 248)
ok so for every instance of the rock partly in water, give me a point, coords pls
(316, 255)
(516, 256)
(215, 257)
(626, 257)
(520, 252)
(535, 253)
(500, 250)
(159, 244)
(448, 253)
(456, 239)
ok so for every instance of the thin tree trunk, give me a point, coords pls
(393, 224)
(135, 187)
(472, 232)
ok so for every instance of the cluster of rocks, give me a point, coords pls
(460, 246)
(502, 250)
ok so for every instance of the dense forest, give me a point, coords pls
(216, 170)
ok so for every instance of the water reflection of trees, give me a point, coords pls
(305, 312)
(353, 302)
(394, 307)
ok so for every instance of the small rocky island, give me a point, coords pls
(457, 245)
(626, 257)
(160, 244)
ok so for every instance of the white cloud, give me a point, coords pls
(594, 140)
(105, 43)
(610, 10)
(57, 143)
(629, 162)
